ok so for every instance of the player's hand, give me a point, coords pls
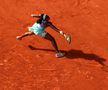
(61, 32)
(33, 15)
(19, 38)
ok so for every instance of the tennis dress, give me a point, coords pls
(38, 28)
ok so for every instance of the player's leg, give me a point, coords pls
(50, 38)
(24, 35)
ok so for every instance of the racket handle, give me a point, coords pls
(62, 33)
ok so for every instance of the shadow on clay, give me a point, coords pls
(73, 54)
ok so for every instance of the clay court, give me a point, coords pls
(30, 64)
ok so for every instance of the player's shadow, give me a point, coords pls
(73, 54)
(88, 56)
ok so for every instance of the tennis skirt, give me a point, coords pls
(37, 29)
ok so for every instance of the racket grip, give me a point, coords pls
(62, 33)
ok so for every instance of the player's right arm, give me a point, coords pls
(56, 29)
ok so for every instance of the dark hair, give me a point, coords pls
(43, 16)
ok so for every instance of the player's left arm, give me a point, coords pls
(36, 15)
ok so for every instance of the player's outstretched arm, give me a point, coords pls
(24, 35)
(67, 36)
(56, 29)
(36, 15)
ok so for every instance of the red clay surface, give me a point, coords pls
(85, 65)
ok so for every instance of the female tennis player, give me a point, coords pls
(38, 28)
